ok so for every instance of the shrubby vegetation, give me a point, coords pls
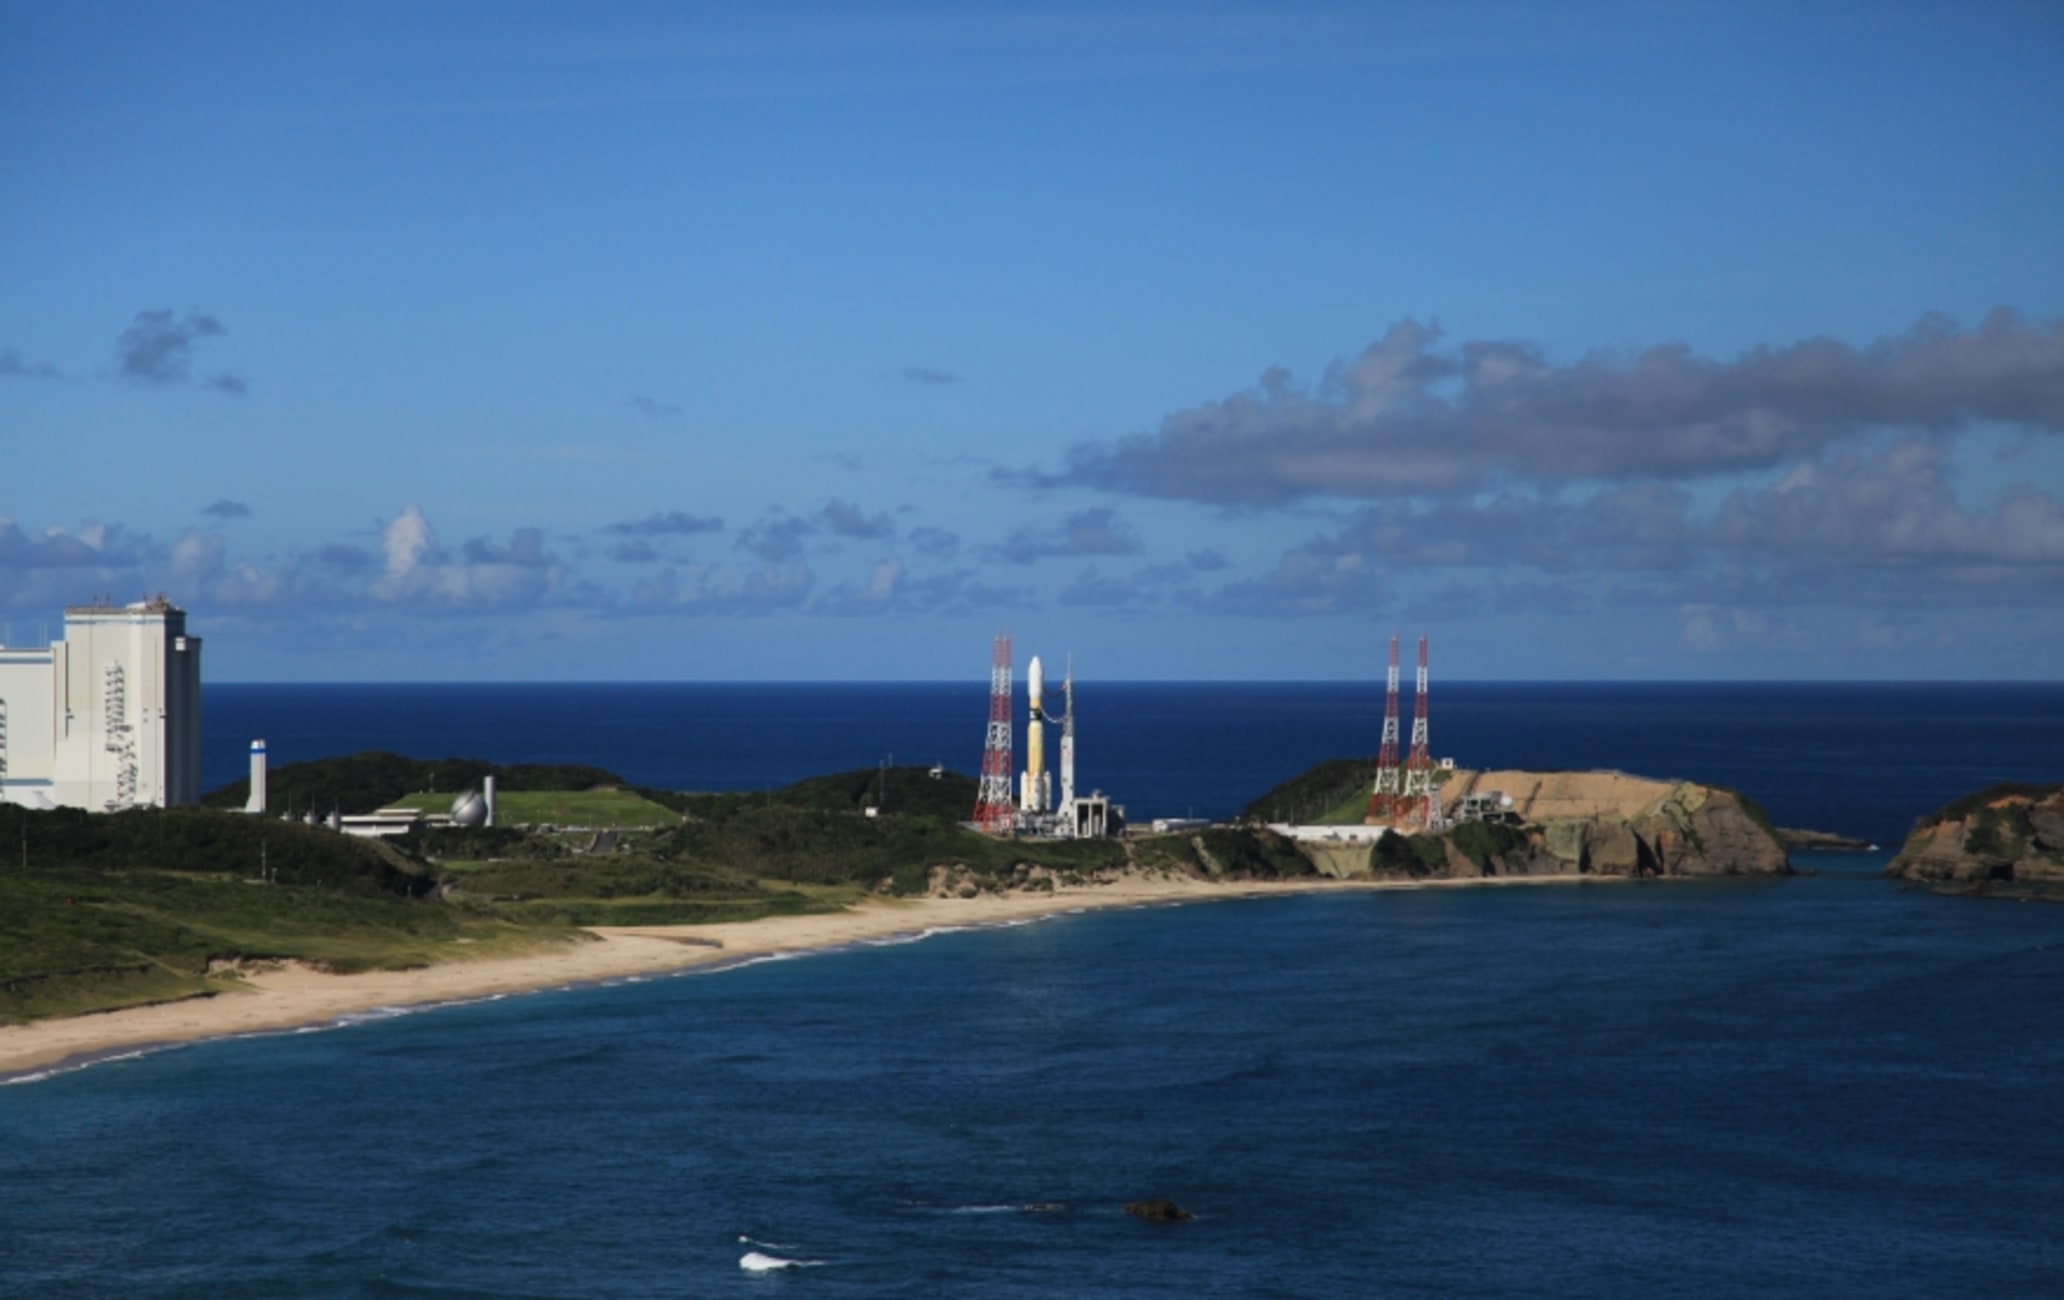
(1313, 795)
(362, 783)
(102, 910)
(1973, 804)
(205, 841)
(139, 906)
(113, 909)
(1413, 855)
(1482, 841)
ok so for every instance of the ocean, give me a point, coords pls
(1817, 1086)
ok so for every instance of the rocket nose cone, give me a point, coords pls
(1035, 678)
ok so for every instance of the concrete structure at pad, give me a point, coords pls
(108, 717)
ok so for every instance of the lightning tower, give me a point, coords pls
(993, 810)
(1388, 792)
(1419, 767)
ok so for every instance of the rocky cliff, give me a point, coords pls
(2008, 839)
(1605, 824)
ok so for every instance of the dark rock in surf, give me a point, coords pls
(1158, 1210)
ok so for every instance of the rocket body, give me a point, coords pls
(1034, 785)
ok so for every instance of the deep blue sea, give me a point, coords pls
(1820, 1086)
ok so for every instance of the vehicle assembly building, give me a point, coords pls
(108, 717)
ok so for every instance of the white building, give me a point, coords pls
(109, 717)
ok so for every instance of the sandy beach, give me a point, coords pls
(290, 996)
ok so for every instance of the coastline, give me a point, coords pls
(291, 996)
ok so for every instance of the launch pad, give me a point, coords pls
(1039, 809)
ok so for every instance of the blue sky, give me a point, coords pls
(784, 341)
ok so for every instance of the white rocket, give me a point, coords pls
(1033, 787)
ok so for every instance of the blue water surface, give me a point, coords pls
(1806, 1087)
(1817, 1086)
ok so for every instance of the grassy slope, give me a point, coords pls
(602, 806)
(116, 910)
(359, 783)
(135, 907)
(1332, 793)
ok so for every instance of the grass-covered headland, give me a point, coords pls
(106, 910)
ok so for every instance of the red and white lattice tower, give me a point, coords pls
(1384, 797)
(1419, 767)
(994, 811)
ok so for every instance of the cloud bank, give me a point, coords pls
(1097, 531)
(158, 347)
(1410, 416)
(667, 523)
(12, 366)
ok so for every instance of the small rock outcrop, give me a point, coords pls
(1823, 841)
(2008, 839)
(1158, 1210)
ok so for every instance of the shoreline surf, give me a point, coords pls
(294, 998)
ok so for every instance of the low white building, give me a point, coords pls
(108, 717)
(1321, 834)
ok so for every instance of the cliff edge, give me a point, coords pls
(2007, 839)
(1601, 823)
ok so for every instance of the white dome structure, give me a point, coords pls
(469, 809)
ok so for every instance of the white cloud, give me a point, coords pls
(1408, 416)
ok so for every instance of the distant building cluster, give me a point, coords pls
(106, 718)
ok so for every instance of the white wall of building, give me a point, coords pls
(28, 743)
(109, 717)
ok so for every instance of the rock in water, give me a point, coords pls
(2006, 839)
(1158, 1210)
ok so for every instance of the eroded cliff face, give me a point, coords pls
(1578, 824)
(1674, 829)
(2005, 840)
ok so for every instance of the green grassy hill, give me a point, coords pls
(116, 909)
(111, 910)
(1331, 793)
(360, 783)
(147, 905)
(896, 791)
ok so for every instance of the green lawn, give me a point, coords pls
(607, 806)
